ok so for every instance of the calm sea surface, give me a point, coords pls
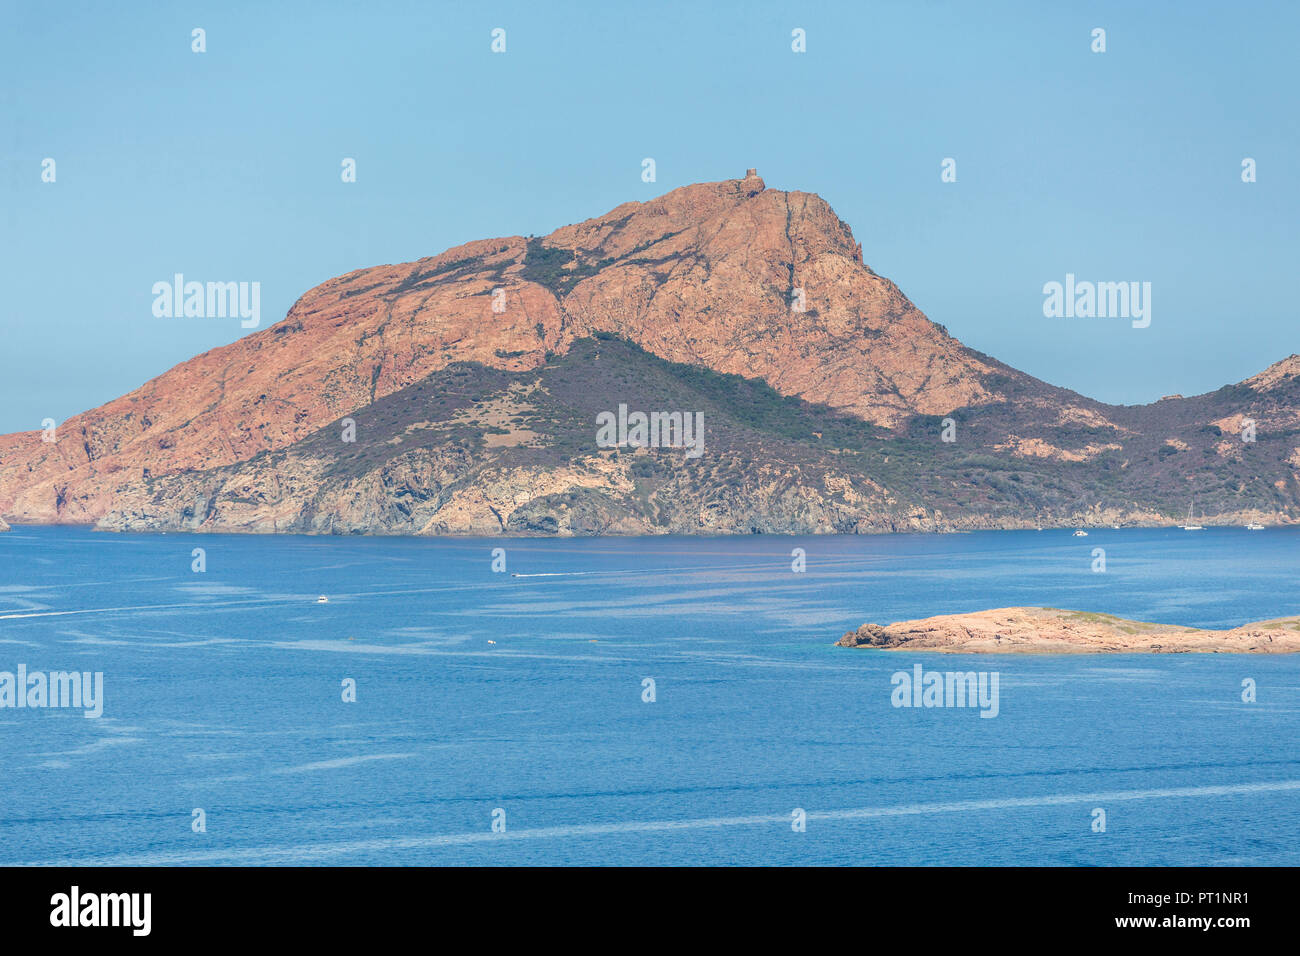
(223, 690)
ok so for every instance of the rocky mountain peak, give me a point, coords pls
(727, 277)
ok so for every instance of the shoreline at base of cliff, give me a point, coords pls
(117, 526)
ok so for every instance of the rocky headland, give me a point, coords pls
(459, 394)
(1041, 630)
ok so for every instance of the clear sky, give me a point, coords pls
(225, 165)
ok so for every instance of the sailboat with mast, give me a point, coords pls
(1191, 522)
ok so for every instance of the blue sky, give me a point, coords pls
(225, 165)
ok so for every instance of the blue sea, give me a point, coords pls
(635, 701)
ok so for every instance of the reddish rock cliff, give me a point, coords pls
(705, 274)
(729, 277)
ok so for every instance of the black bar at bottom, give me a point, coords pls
(333, 906)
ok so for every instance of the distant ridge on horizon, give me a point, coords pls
(470, 384)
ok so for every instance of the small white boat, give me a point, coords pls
(322, 600)
(1080, 533)
(1189, 526)
(1254, 527)
(490, 641)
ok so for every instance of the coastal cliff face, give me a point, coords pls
(472, 382)
(1032, 630)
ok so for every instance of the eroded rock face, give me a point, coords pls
(705, 274)
(1031, 630)
(727, 277)
(868, 635)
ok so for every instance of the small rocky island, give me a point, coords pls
(1046, 630)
